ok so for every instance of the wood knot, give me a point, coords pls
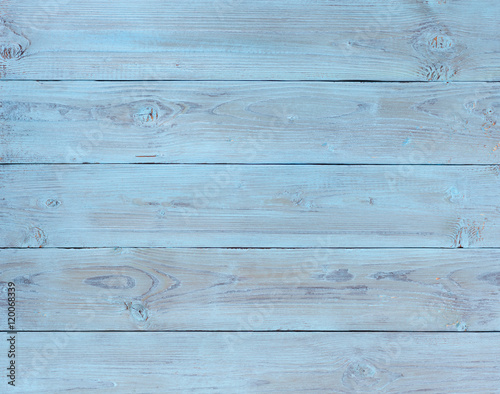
(137, 311)
(13, 45)
(363, 375)
(458, 325)
(467, 233)
(35, 238)
(440, 43)
(440, 54)
(147, 116)
(143, 113)
(360, 370)
(433, 41)
(52, 203)
(452, 195)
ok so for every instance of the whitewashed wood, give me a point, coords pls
(253, 289)
(224, 122)
(259, 39)
(256, 362)
(249, 206)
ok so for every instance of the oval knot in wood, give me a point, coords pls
(35, 238)
(433, 42)
(440, 43)
(361, 376)
(147, 116)
(137, 311)
(52, 203)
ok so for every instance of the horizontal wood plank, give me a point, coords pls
(253, 289)
(224, 122)
(424, 40)
(256, 362)
(249, 206)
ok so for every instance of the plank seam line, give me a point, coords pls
(253, 164)
(255, 247)
(250, 331)
(250, 80)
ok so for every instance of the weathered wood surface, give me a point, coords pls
(249, 206)
(254, 289)
(257, 362)
(213, 236)
(270, 122)
(424, 40)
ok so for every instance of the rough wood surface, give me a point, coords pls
(249, 206)
(270, 122)
(257, 362)
(393, 40)
(254, 289)
(201, 123)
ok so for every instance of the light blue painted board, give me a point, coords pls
(253, 289)
(257, 362)
(249, 122)
(393, 40)
(249, 206)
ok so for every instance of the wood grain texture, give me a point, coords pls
(257, 362)
(424, 40)
(249, 206)
(253, 289)
(233, 235)
(224, 122)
